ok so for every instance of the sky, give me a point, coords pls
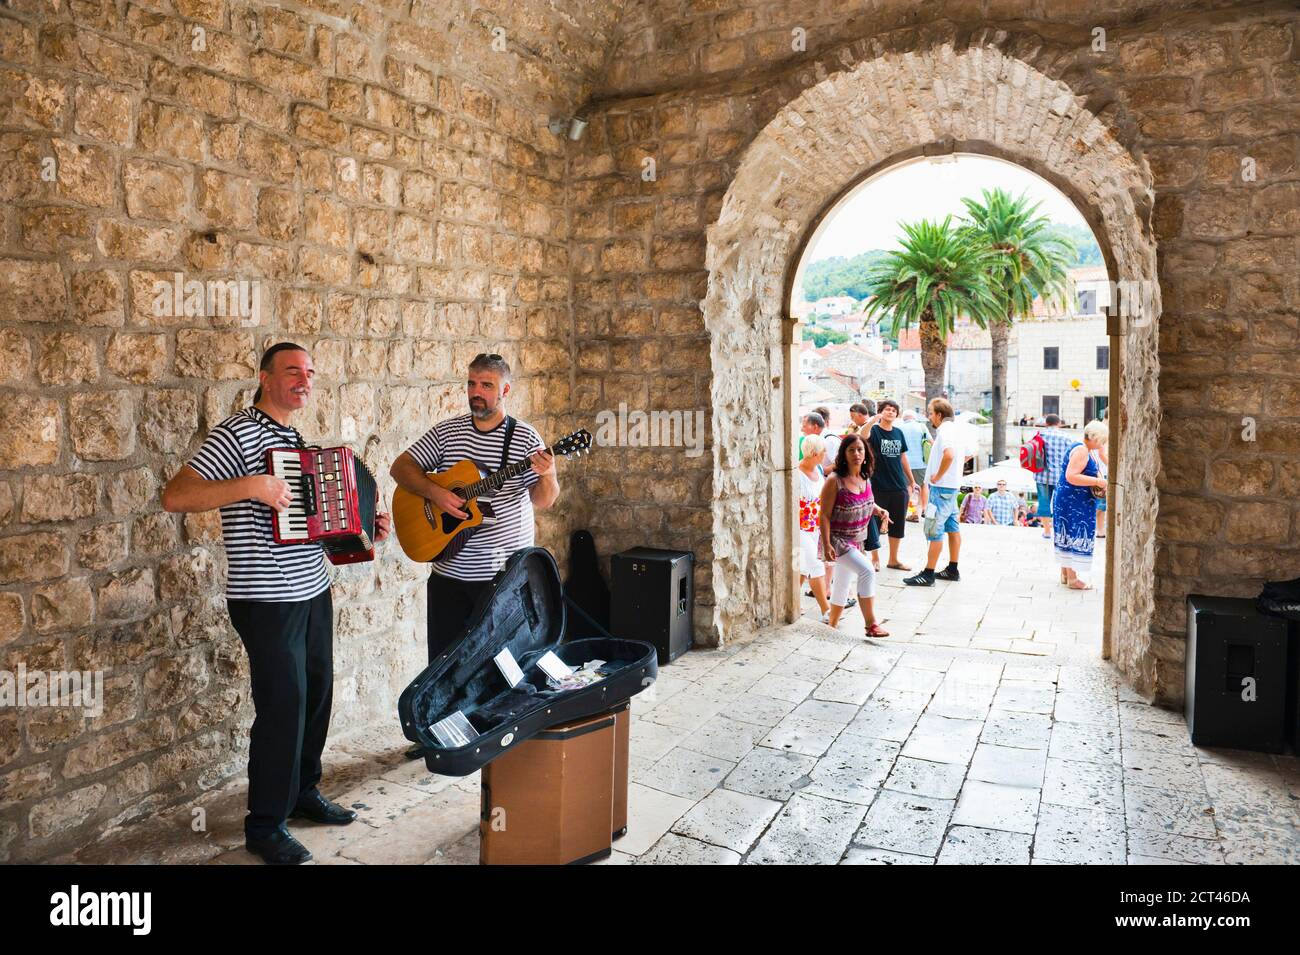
(924, 189)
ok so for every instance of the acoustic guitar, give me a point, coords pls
(426, 532)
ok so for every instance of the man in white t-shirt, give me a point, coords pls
(943, 479)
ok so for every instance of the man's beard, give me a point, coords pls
(482, 411)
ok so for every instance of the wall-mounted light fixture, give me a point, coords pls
(573, 128)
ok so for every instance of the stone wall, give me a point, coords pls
(1028, 381)
(751, 143)
(382, 175)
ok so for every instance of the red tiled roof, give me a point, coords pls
(966, 337)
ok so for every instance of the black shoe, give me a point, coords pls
(279, 848)
(809, 593)
(949, 573)
(415, 752)
(312, 805)
(924, 579)
(853, 602)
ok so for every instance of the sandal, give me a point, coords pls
(898, 567)
(876, 630)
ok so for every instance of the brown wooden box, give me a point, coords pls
(550, 800)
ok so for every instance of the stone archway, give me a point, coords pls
(993, 93)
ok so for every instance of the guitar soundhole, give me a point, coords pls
(450, 523)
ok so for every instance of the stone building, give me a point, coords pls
(382, 175)
(968, 372)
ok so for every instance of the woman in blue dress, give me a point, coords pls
(1075, 528)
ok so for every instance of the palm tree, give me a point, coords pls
(937, 275)
(1031, 260)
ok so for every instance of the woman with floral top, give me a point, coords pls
(810, 493)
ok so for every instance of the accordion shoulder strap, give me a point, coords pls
(261, 417)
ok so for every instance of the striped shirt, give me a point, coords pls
(1057, 444)
(1003, 507)
(258, 567)
(456, 439)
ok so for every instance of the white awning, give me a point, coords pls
(1017, 478)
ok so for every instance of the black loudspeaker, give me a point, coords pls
(653, 598)
(1236, 693)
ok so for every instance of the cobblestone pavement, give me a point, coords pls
(985, 729)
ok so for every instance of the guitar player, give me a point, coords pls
(279, 602)
(491, 439)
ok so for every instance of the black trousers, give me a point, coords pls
(450, 602)
(290, 649)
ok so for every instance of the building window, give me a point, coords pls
(1088, 302)
(1094, 407)
(1051, 404)
(1051, 359)
(1103, 357)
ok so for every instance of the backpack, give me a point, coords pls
(1033, 454)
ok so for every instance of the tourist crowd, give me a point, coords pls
(862, 483)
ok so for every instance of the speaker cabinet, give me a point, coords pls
(653, 598)
(1236, 691)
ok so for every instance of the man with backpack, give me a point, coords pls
(1044, 454)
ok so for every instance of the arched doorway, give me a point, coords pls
(979, 98)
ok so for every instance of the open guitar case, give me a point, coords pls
(524, 609)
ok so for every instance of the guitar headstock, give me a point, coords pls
(575, 443)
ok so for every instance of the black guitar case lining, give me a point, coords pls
(524, 609)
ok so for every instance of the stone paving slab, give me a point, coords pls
(809, 830)
(728, 819)
(965, 845)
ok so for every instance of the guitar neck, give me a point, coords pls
(495, 480)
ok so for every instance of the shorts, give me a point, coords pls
(1045, 492)
(918, 475)
(941, 513)
(809, 564)
(1101, 504)
(895, 502)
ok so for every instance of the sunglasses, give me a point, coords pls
(483, 356)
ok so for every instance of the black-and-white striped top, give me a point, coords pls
(456, 439)
(258, 567)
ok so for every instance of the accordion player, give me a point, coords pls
(334, 497)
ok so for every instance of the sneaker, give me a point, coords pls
(924, 579)
(853, 602)
(826, 618)
(949, 573)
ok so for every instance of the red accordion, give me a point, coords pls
(334, 499)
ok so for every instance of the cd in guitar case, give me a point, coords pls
(475, 702)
